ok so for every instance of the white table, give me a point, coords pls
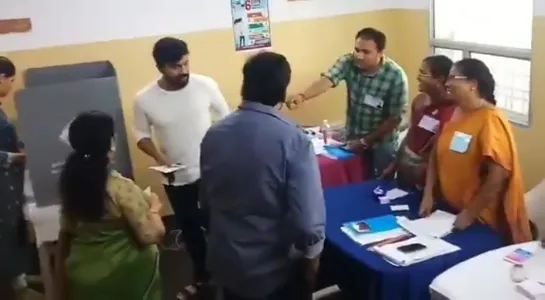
(46, 222)
(487, 276)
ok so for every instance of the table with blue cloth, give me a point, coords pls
(362, 274)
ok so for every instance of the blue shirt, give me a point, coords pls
(261, 185)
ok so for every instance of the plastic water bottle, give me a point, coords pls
(325, 129)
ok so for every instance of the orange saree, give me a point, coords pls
(487, 135)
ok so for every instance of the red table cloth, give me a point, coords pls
(336, 172)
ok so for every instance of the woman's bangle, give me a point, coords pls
(154, 211)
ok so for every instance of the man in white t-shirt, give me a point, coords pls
(176, 108)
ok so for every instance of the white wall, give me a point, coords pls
(65, 22)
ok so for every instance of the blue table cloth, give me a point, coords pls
(356, 202)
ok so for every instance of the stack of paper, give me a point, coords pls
(370, 238)
(376, 229)
(433, 248)
(437, 225)
(531, 289)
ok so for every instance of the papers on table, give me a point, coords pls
(318, 145)
(373, 225)
(389, 233)
(392, 194)
(433, 248)
(531, 289)
(167, 169)
(437, 225)
(535, 266)
(364, 239)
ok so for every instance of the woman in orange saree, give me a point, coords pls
(474, 165)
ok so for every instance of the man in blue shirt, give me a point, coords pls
(261, 186)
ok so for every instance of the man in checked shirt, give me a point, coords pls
(377, 97)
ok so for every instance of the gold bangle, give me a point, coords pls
(153, 211)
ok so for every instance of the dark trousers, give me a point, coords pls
(190, 220)
(296, 288)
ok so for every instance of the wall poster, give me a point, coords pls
(251, 24)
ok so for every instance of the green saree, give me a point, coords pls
(105, 263)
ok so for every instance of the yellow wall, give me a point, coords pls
(310, 45)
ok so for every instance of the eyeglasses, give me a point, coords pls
(456, 77)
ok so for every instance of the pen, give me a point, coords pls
(390, 240)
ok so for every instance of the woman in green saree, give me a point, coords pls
(110, 228)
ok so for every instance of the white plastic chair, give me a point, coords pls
(535, 203)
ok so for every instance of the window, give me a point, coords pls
(455, 55)
(496, 32)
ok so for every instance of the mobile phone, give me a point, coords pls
(410, 248)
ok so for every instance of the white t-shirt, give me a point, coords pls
(179, 120)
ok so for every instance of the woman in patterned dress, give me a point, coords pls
(110, 227)
(13, 237)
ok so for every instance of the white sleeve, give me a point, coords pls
(142, 125)
(218, 104)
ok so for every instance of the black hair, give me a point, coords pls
(84, 177)
(375, 35)
(439, 66)
(169, 51)
(7, 67)
(266, 78)
(474, 69)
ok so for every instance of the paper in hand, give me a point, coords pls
(65, 134)
(167, 169)
(147, 191)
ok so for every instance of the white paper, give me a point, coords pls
(396, 193)
(392, 194)
(531, 289)
(436, 225)
(535, 266)
(63, 137)
(167, 169)
(402, 207)
(147, 191)
(318, 145)
(434, 248)
(369, 238)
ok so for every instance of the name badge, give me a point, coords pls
(374, 102)
(428, 123)
(460, 142)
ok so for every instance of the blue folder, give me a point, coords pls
(338, 152)
(377, 224)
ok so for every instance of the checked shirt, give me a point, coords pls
(389, 87)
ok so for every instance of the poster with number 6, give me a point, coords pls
(251, 24)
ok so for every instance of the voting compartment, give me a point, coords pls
(52, 97)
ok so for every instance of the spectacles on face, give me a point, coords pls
(457, 77)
